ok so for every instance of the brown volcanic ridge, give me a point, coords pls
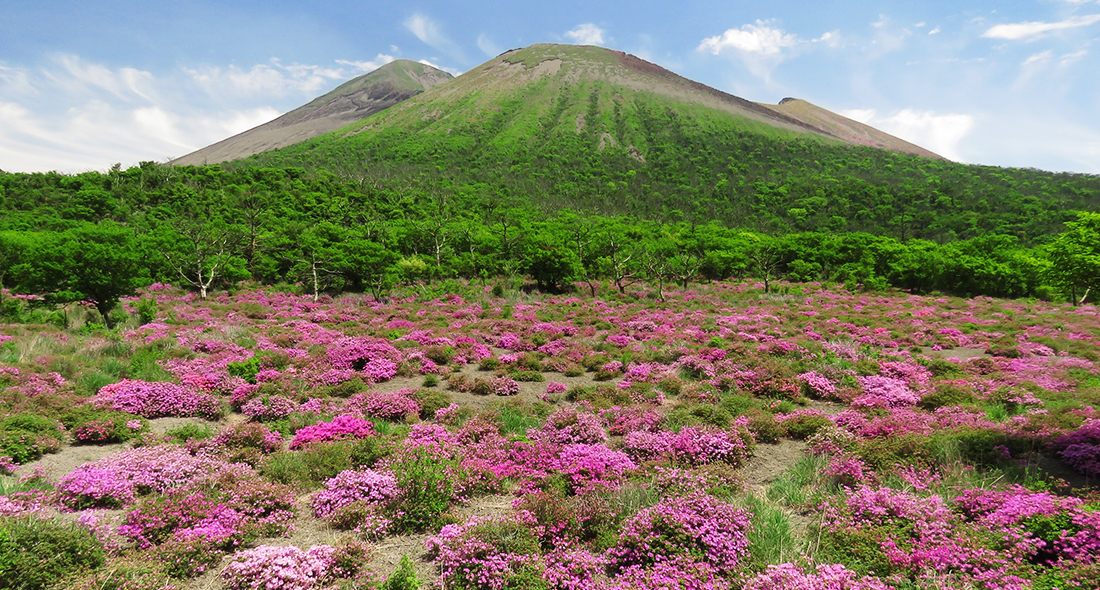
(352, 101)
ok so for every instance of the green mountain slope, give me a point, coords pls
(351, 101)
(546, 89)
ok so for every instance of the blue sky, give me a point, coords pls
(84, 85)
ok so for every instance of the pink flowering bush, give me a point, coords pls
(157, 399)
(116, 480)
(884, 392)
(486, 553)
(693, 445)
(1080, 449)
(394, 406)
(225, 511)
(349, 487)
(269, 408)
(344, 427)
(375, 359)
(570, 426)
(504, 386)
(788, 576)
(269, 567)
(681, 572)
(696, 525)
(590, 467)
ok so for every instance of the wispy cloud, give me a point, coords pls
(587, 34)
(1031, 30)
(486, 45)
(273, 78)
(430, 33)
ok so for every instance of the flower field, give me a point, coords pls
(716, 438)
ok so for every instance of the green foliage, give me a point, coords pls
(404, 578)
(26, 437)
(308, 468)
(697, 414)
(946, 394)
(90, 425)
(36, 552)
(427, 483)
(805, 426)
(188, 432)
(431, 400)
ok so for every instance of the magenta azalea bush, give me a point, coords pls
(344, 427)
(698, 526)
(156, 400)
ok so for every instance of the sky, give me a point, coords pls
(88, 84)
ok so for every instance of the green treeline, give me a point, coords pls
(99, 236)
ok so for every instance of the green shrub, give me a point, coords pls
(127, 574)
(26, 437)
(947, 394)
(310, 467)
(941, 367)
(764, 427)
(489, 364)
(805, 426)
(147, 310)
(697, 414)
(404, 578)
(37, 552)
(431, 400)
(430, 381)
(440, 355)
(601, 396)
(527, 376)
(481, 387)
(92, 426)
(427, 483)
(182, 434)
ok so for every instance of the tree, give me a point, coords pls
(552, 266)
(1075, 256)
(201, 252)
(15, 249)
(368, 264)
(94, 263)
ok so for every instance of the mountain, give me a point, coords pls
(537, 92)
(351, 101)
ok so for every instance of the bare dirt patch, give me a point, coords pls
(770, 461)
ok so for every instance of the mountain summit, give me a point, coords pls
(352, 101)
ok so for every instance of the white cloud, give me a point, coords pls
(759, 38)
(1027, 30)
(368, 66)
(70, 114)
(587, 34)
(271, 79)
(430, 33)
(934, 31)
(940, 133)
(831, 38)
